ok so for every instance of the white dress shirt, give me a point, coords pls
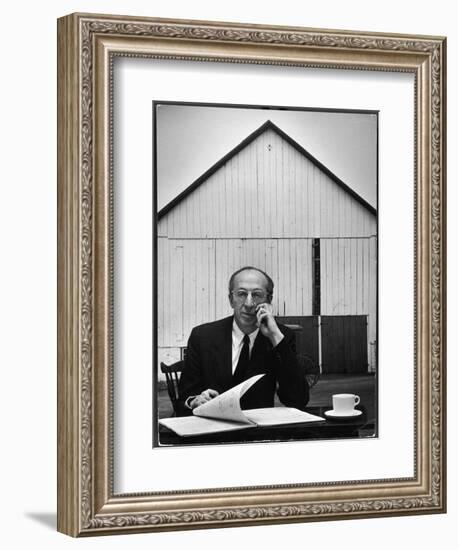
(237, 343)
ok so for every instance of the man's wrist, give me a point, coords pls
(276, 337)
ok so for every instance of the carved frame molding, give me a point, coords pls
(87, 45)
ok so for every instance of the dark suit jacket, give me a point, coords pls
(208, 364)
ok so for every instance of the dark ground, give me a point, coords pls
(363, 385)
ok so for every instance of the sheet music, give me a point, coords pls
(227, 405)
(195, 425)
(276, 416)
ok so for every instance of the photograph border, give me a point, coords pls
(216, 165)
(87, 46)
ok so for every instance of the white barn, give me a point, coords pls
(269, 203)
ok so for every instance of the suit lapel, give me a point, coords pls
(223, 345)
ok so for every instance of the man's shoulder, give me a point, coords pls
(213, 326)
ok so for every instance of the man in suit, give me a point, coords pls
(224, 353)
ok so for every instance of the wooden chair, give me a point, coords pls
(172, 377)
(310, 368)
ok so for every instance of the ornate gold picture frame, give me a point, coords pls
(87, 47)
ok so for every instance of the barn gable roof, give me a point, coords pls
(263, 128)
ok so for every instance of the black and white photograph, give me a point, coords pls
(266, 273)
(251, 277)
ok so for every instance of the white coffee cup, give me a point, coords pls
(344, 403)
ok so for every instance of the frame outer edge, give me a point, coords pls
(68, 277)
(78, 398)
(444, 273)
(443, 279)
(134, 19)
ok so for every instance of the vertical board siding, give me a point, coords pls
(348, 276)
(264, 207)
(372, 299)
(193, 277)
(268, 189)
(349, 281)
(344, 344)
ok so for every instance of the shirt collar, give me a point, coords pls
(237, 334)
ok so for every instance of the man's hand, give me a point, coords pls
(205, 396)
(267, 324)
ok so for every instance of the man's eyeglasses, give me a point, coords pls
(257, 296)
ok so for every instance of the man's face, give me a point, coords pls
(248, 282)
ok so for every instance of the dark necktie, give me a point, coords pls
(243, 362)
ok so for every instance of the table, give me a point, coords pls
(356, 427)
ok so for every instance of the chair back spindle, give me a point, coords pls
(172, 377)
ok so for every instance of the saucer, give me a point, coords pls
(333, 414)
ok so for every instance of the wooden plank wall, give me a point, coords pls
(263, 208)
(349, 281)
(268, 190)
(344, 344)
(193, 277)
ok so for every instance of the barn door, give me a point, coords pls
(344, 344)
(307, 338)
